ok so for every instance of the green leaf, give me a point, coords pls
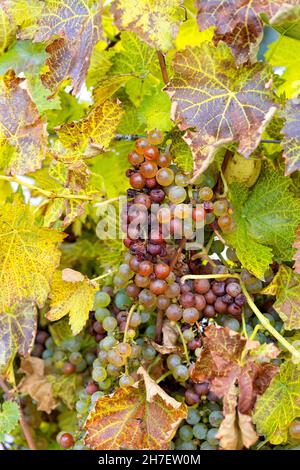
(266, 219)
(9, 417)
(279, 405)
(181, 153)
(65, 388)
(155, 112)
(23, 56)
(286, 287)
(284, 53)
(287, 19)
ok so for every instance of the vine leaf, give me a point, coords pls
(35, 383)
(156, 22)
(17, 332)
(95, 130)
(8, 27)
(227, 361)
(218, 103)
(296, 245)
(238, 23)
(9, 417)
(139, 417)
(23, 136)
(29, 255)
(266, 220)
(291, 132)
(287, 19)
(64, 388)
(279, 405)
(73, 294)
(286, 287)
(74, 29)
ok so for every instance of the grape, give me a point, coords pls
(81, 366)
(49, 344)
(124, 349)
(68, 368)
(232, 323)
(132, 291)
(206, 446)
(101, 313)
(119, 281)
(95, 397)
(186, 433)
(209, 311)
(220, 207)
(202, 388)
(155, 137)
(112, 370)
(126, 381)
(157, 196)
(182, 211)
(294, 429)
(91, 388)
(106, 384)
(233, 289)
(164, 215)
(165, 176)
(177, 194)
(211, 437)
(125, 271)
(164, 160)
(234, 310)
(81, 407)
(254, 286)
(148, 169)
(206, 193)
(187, 446)
(180, 373)
(173, 360)
(201, 286)
(137, 181)
(109, 323)
(98, 328)
(162, 270)
(218, 288)
(99, 374)
(141, 281)
(47, 354)
(107, 343)
(66, 440)
(135, 320)
(200, 302)
(210, 218)
(188, 334)
(181, 179)
(149, 352)
(158, 286)
(200, 431)
(145, 268)
(102, 299)
(135, 159)
(187, 299)
(174, 312)
(193, 417)
(151, 152)
(215, 418)
(41, 337)
(210, 297)
(140, 145)
(75, 358)
(191, 397)
(147, 298)
(172, 291)
(190, 315)
(115, 358)
(220, 306)
(225, 222)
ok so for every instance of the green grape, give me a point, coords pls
(193, 416)
(81, 406)
(112, 370)
(210, 218)
(232, 323)
(102, 299)
(173, 361)
(187, 446)
(150, 331)
(149, 352)
(99, 374)
(115, 358)
(188, 335)
(75, 358)
(105, 385)
(96, 396)
(81, 366)
(206, 193)
(165, 176)
(145, 316)
(98, 362)
(126, 381)
(47, 354)
(122, 300)
(270, 318)
(181, 179)
(211, 437)
(125, 271)
(101, 313)
(119, 282)
(59, 356)
(48, 361)
(135, 320)
(107, 343)
(177, 194)
(110, 323)
(186, 433)
(49, 344)
(213, 406)
(136, 351)
(90, 357)
(215, 418)
(73, 344)
(180, 373)
(206, 446)
(200, 431)
(220, 207)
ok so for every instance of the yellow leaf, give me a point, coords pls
(29, 255)
(73, 297)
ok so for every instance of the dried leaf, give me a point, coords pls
(29, 255)
(220, 102)
(36, 384)
(72, 297)
(291, 132)
(296, 245)
(138, 417)
(23, 136)
(170, 334)
(65, 388)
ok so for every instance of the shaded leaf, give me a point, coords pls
(65, 388)
(17, 332)
(79, 29)
(21, 127)
(287, 19)
(291, 141)
(8, 27)
(138, 417)
(9, 417)
(75, 298)
(286, 287)
(29, 255)
(218, 103)
(36, 384)
(279, 405)
(296, 245)
(155, 22)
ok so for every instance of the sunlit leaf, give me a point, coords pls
(9, 417)
(291, 141)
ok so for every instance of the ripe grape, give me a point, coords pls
(68, 368)
(135, 159)
(174, 312)
(233, 289)
(181, 179)
(147, 298)
(187, 299)
(294, 429)
(66, 440)
(137, 181)
(177, 194)
(145, 268)
(141, 281)
(201, 286)
(162, 302)
(206, 193)
(148, 169)
(165, 176)
(190, 315)
(140, 145)
(220, 207)
(155, 137)
(173, 290)
(151, 152)
(157, 196)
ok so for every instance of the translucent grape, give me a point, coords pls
(177, 194)
(165, 176)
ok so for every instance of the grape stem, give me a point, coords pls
(178, 253)
(263, 320)
(125, 339)
(186, 353)
(162, 377)
(158, 326)
(102, 276)
(163, 68)
(22, 421)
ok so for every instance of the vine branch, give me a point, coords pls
(163, 67)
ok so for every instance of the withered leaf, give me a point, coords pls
(296, 245)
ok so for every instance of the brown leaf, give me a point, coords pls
(23, 136)
(36, 385)
(170, 334)
(138, 417)
(296, 245)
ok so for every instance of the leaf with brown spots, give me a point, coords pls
(238, 23)
(291, 132)
(217, 103)
(23, 136)
(296, 245)
(139, 417)
(286, 287)
(74, 29)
